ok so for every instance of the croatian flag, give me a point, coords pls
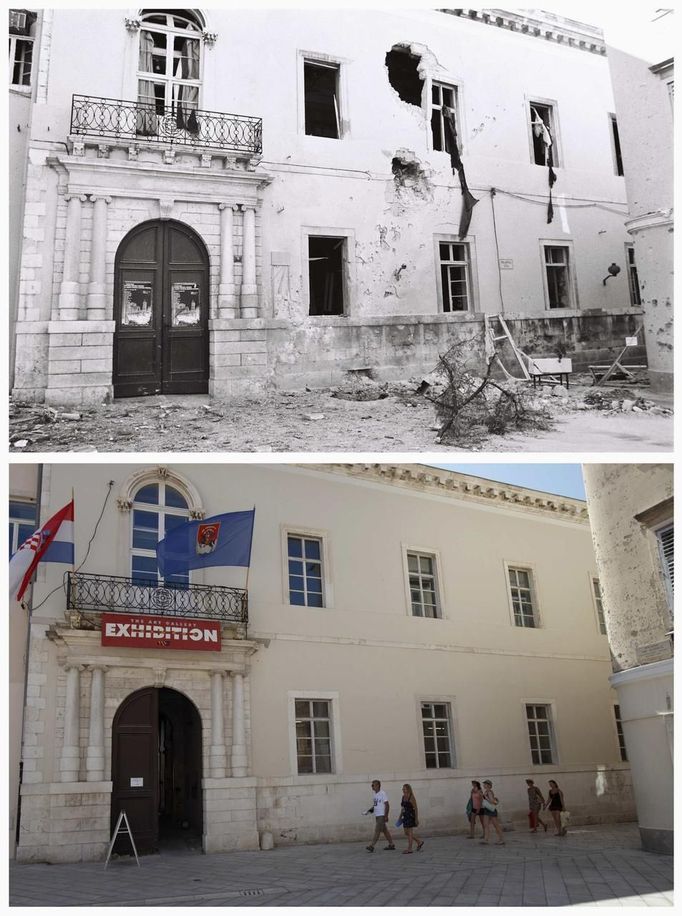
(53, 543)
(222, 540)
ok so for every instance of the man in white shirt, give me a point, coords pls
(380, 808)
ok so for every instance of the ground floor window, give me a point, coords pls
(437, 733)
(326, 262)
(558, 276)
(313, 736)
(621, 736)
(540, 733)
(633, 279)
(455, 274)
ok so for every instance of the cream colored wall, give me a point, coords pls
(23, 485)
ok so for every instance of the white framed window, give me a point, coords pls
(523, 596)
(169, 70)
(21, 48)
(558, 275)
(455, 287)
(436, 720)
(620, 733)
(633, 278)
(22, 523)
(615, 145)
(321, 96)
(157, 508)
(327, 257)
(314, 732)
(305, 564)
(543, 132)
(598, 605)
(422, 578)
(541, 733)
(443, 95)
(665, 537)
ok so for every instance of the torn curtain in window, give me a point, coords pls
(468, 199)
(540, 129)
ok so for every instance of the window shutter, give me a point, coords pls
(666, 540)
(17, 22)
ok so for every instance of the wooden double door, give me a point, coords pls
(161, 296)
(156, 768)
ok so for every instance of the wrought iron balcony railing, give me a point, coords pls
(148, 122)
(91, 592)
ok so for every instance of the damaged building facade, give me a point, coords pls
(220, 203)
(394, 594)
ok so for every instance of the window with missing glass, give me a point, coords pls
(455, 276)
(442, 96)
(615, 146)
(559, 286)
(540, 733)
(666, 547)
(313, 736)
(321, 99)
(522, 592)
(437, 732)
(22, 523)
(421, 568)
(543, 133)
(633, 278)
(21, 46)
(157, 509)
(304, 558)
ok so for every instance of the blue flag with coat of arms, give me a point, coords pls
(222, 540)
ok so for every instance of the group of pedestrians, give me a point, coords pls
(482, 804)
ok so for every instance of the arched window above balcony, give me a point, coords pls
(169, 69)
(157, 508)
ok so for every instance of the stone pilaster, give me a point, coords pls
(69, 292)
(249, 290)
(94, 762)
(96, 302)
(227, 296)
(239, 753)
(217, 753)
(70, 759)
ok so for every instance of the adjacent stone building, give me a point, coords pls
(221, 200)
(632, 518)
(397, 622)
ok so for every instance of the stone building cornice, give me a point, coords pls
(454, 483)
(540, 24)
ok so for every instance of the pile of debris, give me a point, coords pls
(618, 400)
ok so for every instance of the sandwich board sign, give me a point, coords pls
(122, 828)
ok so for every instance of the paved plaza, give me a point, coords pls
(602, 866)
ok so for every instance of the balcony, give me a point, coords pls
(113, 120)
(87, 592)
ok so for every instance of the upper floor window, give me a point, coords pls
(421, 569)
(442, 96)
(169, 69)
(666, 546)
(321, 92)
(305, 570)
(157, 508)
(22, 523)
(522, 591)
(543, 133)
(615, 145)
(21, 39)
(599, 606)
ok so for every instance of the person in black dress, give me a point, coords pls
(555, 805)
(409, 818)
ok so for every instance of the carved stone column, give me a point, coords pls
(94, 761)
(69, 291)
(217, 752)
(227, 296)
(239, 755)
(98, 262)
(70, 760)
(249, 291)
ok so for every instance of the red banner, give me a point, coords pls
(144, 632)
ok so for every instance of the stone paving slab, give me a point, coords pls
(592, 866)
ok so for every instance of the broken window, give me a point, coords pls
(557, 269)
(403, 74)
(455, 276)
(633, 279)
(543, 134)
(321, 89)
(168, 70)
(615, 140)
(326, 258)
(442, 96)
(21, 23)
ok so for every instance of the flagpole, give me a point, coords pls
(73, 512)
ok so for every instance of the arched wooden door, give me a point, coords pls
(161, 311)
(156, 769)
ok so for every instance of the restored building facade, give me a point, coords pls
(632, 517)
(219, 204)
(384, 608)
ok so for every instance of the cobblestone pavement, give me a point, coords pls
(593, 866)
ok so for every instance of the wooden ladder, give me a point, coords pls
(492, 336)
